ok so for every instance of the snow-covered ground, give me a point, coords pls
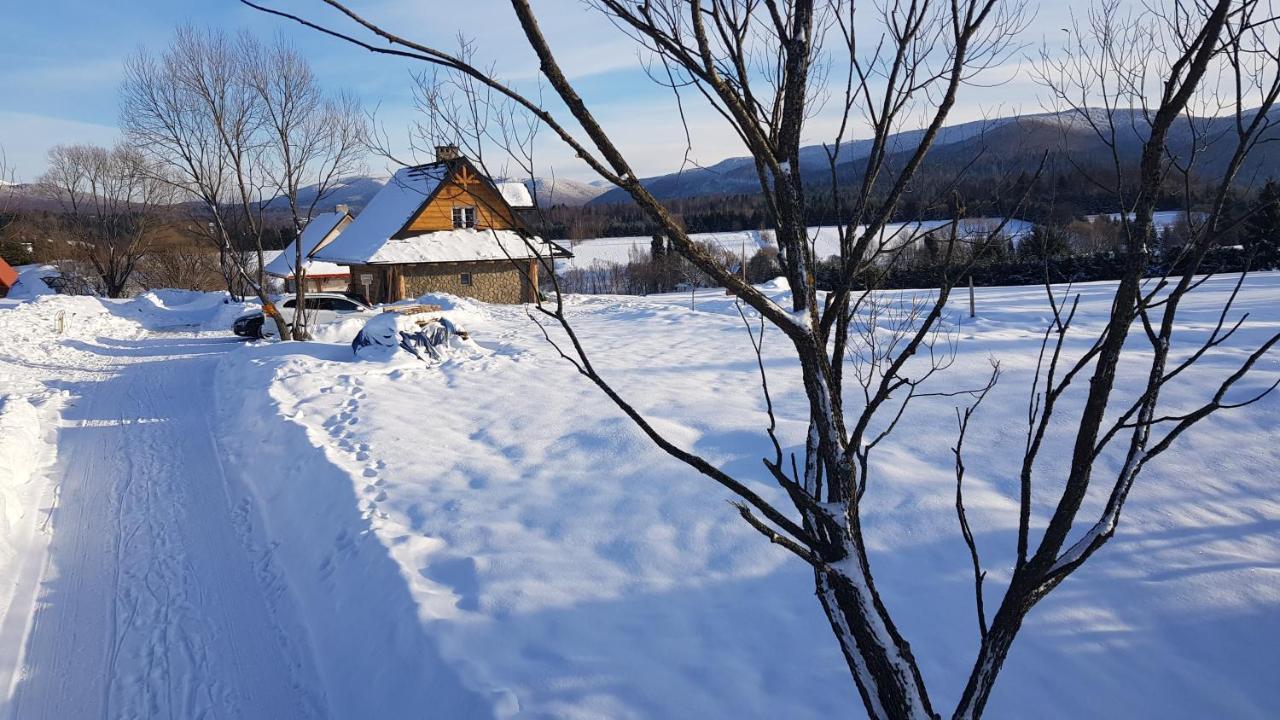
(281, 530)
(825, 240)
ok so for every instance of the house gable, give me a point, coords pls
(464, 187)
(322, 230)
(411, 221)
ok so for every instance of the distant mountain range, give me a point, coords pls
(355, 192)
(1006, 144)
(563, 191)
(1009, 143)
(26, 196)
(1003, 145)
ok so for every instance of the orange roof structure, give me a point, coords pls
(8, 276)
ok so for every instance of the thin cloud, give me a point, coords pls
(27, 137)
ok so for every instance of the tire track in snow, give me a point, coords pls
(149, 605)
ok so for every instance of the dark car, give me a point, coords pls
(249, 326)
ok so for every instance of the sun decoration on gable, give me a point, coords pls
(464, 177)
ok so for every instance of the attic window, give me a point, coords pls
(465, 279)
(464, 216)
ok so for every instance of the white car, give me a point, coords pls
(321, 308)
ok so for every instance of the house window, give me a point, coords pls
(465, 279)
(464, 216)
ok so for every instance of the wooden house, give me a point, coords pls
(443, 227)
(318, 275)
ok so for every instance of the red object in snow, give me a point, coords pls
(8, 276)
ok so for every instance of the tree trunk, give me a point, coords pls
(991, 656)
(879, 659)
(793, 242)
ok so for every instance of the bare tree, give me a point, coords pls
(6, 176)
(1144, 74)
(6, 199)
(112, 203)
(192, 110)
(764, 67)
(181, 259)
(7, 251)
(309, 140)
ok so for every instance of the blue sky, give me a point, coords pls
(61, 64)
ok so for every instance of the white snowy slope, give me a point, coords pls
(281, 530)
(825, 240)
(533, 555)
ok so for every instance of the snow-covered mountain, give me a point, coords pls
(738, 174)
(355, 192)
(563, 191)
(1006, 142)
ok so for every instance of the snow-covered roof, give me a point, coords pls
(457, 245)
(251, 259)
(516, 194)
(313, 237)
(33, 281)
(385, 215)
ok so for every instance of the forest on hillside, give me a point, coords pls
(1060, 196)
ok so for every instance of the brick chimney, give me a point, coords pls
(447, 152)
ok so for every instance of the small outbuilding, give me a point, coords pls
(318, 275)
(443, 227)
(8, 276)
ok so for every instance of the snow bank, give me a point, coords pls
(463, 311)
(31, 282)
(20, 446)
(27, 449)
(27, 433)
(341, 331)
(186, 310)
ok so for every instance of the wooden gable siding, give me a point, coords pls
(491, 211)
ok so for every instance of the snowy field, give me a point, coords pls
(255, 530)
(825, 240)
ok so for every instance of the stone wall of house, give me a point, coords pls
(376, 292)
(495, 281)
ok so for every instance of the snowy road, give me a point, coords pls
(149, 604)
